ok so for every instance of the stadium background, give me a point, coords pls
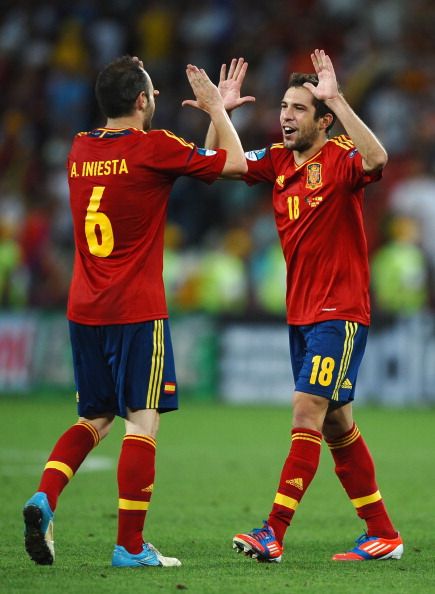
(223, 267)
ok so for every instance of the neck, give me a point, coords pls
(302, 156)
(125, 122)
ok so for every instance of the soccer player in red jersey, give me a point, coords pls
(120, 178)
(318, 186)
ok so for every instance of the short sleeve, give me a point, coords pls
(175, 156)
(260, 167)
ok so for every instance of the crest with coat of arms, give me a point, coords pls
(314, 176)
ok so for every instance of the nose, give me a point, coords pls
(288, 113)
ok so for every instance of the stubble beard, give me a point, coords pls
(304, 142)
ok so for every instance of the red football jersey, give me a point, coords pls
(120, 181)
(318, 214)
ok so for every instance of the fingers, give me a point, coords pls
(236, 70)
(232, 68)
(223, 73)
(138, 60)
(195, 73)
(190, 103)
(321, 61)
(246, 99)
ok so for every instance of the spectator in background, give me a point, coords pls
(13, 278)
(399, 271)
(50, 51)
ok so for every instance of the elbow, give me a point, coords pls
(243, 167)
(377, 161)
(235, 168)
(382, 159)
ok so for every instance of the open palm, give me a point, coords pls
(230, 86)
(327, 87)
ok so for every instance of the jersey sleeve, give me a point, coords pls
(349, 161)
(260, 166)
(175, 156)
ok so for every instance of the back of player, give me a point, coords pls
(120, 179)
(120, 182)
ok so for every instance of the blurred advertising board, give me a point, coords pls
(398, 368)
(238, 362)
(35, 354)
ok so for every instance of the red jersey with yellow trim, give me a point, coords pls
(120, 181)
(318, 215)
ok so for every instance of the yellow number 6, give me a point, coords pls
(98, 247)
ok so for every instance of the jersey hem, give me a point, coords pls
(118, 321)
(317, 319)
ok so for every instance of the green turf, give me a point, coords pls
(217, 470)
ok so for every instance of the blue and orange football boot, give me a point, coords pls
(259, 544)
(38, 529)
(373, 548)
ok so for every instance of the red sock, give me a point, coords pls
(136, 470)
(67, 455)
(298, 472)
(355, 468)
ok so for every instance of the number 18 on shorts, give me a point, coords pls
(326, 357)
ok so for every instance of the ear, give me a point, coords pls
(326, 120)
(141, 101)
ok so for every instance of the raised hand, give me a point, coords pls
(328, 86)
(230, 86)
(206, 93)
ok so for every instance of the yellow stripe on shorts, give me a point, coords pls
(156, 375)
(351, 329)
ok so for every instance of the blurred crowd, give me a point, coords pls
(222, 253)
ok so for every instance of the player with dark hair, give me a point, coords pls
(318, 186)
(120, 177)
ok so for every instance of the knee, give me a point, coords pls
(101, 424)
(309, 411)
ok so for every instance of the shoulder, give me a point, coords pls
(167, 135)
(341, 143)
(273, 151)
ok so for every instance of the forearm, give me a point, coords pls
(371, 150)
(211, 140)
(223, 135)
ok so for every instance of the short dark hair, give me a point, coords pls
(297, 79)
(118, 86)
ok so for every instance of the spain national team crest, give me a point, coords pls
(314, 176)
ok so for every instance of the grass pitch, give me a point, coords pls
(217, 471)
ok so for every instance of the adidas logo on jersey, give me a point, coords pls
(347, 384)
(296, 482)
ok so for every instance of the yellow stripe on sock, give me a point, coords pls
(145, 438)
(133, 505)
(286, 501)
(67, 470)
(361, 501)
(344, 441)
(306, 437)
(92, 430)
